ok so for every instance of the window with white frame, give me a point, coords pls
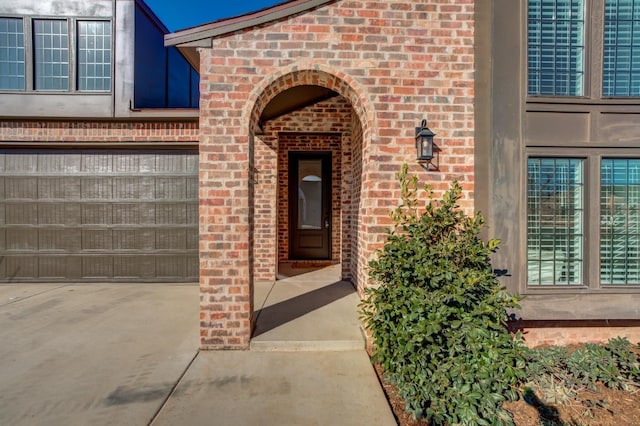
(65, 54)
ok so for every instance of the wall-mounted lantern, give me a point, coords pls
(426, 149)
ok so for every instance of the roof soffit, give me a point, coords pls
(294, 99)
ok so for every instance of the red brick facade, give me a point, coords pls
(85, 132)
(570, 335)
(393, 63)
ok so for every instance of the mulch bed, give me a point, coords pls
(620, 408)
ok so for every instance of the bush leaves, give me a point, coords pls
(437, 315)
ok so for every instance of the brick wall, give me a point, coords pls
(356, 268)
(394, 62)
(571, 335)
(98, 131)
(265, 228)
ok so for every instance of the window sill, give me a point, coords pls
(54, 92)
(629, 289)
(581, 100)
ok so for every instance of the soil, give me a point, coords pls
(615, 408)
(618, 408)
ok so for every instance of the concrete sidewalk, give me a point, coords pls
(278, 388)
(128, 354)
(307, 365)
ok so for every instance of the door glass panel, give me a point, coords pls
(310, 194)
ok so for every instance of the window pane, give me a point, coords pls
(310, 194)
(94, 55)
(620, 221)
(555, 47)
(11, 54)
(51, 52)
(554, 221)
(621, 68)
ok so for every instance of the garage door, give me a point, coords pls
(98, 216)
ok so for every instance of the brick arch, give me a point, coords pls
(309, 74)
(352, 257)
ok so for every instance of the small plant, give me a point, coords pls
(557, 374)
(437, 315)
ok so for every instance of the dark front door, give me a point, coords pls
(310, 205)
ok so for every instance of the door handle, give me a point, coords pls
(326, 223)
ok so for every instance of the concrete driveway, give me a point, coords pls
(122, 354)
(93, 354)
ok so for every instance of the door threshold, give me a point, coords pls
(293, 268)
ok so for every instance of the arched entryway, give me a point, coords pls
(308, 132)
(304, 123)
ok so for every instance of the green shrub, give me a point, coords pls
(437, 315)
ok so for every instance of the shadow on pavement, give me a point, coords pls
(280, 313)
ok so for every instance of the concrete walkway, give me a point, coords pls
(278, 388)
(128, 354)
(314, 310)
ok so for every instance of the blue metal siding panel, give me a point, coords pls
(150, 64)
(163, 78)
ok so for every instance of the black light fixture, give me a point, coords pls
(424, 145)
